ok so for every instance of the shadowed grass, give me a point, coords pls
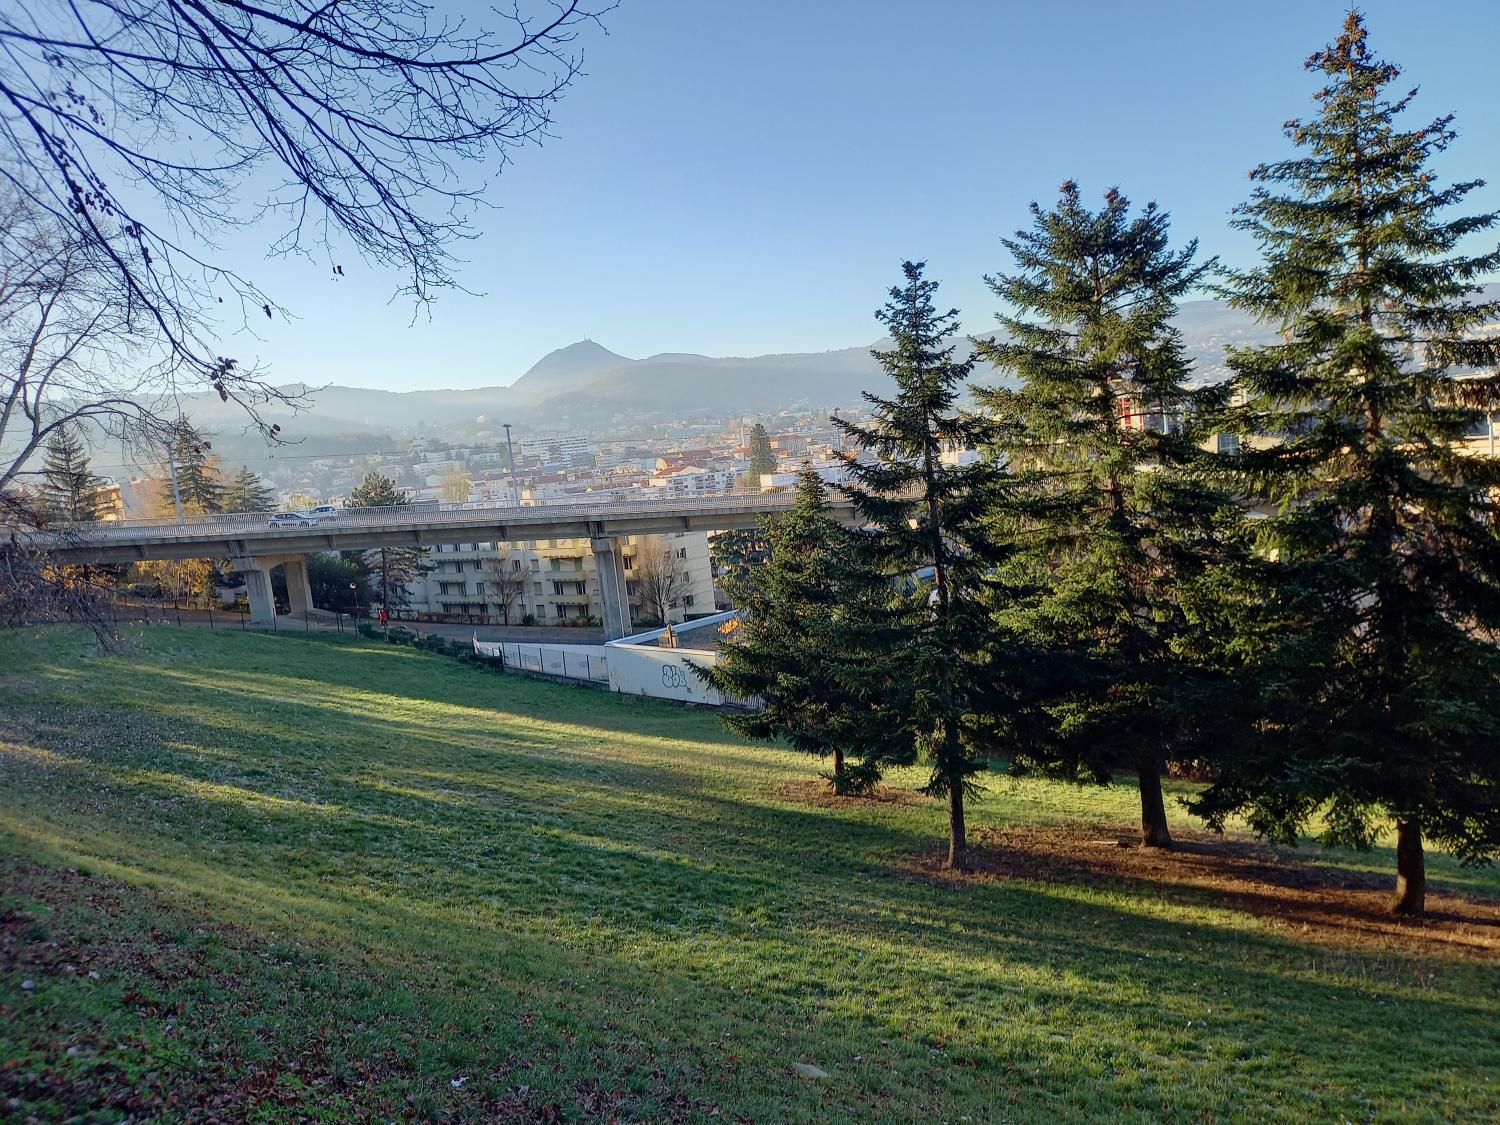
(384, 882)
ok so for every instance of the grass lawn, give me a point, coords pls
(316, 878)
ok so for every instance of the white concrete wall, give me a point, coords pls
(663, 673)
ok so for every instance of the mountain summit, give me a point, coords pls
(567, 367)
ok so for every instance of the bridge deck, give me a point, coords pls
(247, 535)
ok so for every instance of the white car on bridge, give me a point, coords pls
(293, 519)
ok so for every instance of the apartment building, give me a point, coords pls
(555, 581)
(694, 481)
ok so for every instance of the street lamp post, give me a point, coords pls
(510, 450)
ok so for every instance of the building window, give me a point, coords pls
(458, 567)
(629, 562)
(1228, 443)
(479, 588)
(687, 600)
(682, 552)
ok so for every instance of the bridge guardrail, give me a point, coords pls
(354, 518)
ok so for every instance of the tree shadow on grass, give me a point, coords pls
(1325, 903)
(1077, 986)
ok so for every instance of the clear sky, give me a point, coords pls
(740, 178)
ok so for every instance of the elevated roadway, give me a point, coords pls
(254, 547)
(248, 535)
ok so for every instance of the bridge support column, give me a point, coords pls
(257, 590)
(298, 590)
(614, 600)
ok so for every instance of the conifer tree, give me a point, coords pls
(762, 456)
(1112, 517)
(814, 646)
(736, 554)
(246, 492)
(1382, 527)
(69, 490)
(198, 481)
(392, 569)
(926, 521)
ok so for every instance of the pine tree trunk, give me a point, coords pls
(958, 837)
(1154, 830)
(839, 785)
(1411, 869)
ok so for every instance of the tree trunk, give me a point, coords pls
(839, 785)
(385, 590)
(1411, 869)
(1154, 830)
(958, 837)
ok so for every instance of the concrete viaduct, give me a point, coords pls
(255, 549)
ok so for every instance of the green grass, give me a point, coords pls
(325, 879)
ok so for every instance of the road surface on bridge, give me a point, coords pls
(249, 535)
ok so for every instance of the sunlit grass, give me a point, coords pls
(568, 898)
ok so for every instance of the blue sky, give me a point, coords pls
(740, 178)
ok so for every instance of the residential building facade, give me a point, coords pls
(555, 581)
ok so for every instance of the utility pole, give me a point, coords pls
(515, 496)
(176, 492)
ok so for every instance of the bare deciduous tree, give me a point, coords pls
(134, 134)
(659, 578)
(504, 583)
(72, 352)
(147, 128)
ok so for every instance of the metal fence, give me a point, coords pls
(570, 662)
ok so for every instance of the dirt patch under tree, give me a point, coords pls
(1315, 901)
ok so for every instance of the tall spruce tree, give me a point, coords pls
(815, 646)
(762, 456)
(1111, 513)
(927, 521)
(1382, 526)
(392, 569)
(246, 492)
(69, 490)
(199, 484)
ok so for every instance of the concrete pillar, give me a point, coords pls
(609, 565)
(258, 590)
(298, 590)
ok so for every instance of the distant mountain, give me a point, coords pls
(585, 385)
(684, 386)
(567, 367)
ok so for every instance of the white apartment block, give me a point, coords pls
(554, 448)
(690, 482)
(555, 581)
